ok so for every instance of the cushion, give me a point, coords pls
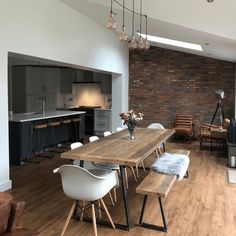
(172, 164)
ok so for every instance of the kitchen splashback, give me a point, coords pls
(89, 94)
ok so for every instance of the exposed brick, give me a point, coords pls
(163, 83)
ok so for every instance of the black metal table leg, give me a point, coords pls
(125, 197)
(164, 147)
(81, 163)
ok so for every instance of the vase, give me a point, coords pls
(131, 133)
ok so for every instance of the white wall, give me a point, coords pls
(51, 30)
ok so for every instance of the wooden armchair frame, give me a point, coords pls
(205, 135)
(184, 125)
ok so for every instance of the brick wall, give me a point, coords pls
(163, 83)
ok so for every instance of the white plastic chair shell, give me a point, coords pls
(119, 129)
(107, 133)
(156, 126)
(79, 184)
(93, 138)
(76, 145)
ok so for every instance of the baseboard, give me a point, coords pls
(4, 186)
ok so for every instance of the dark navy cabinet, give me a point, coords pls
(23, 137)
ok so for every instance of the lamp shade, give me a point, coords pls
(111, 24)
(132, 43)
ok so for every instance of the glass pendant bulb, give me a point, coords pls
(132, 43)
(123, 35)
(111, 24)
(146, 44)
(140, 43)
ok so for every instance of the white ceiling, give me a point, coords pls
(192, 21)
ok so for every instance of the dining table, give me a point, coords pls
(118, 149)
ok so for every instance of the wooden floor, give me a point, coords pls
(203, 205)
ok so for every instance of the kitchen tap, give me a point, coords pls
(43, 103)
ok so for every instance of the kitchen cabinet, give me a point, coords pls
(23, 138)
(31, 82)
(67, 77)
(21, 141)
(41, 80)
(102, 121)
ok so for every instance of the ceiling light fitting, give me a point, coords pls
(142, 41)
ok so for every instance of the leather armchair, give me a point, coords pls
(11, 217)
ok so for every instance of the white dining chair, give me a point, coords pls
(76, 145)
(156, 126)
(93, 138)
(107, 133)
(159, 151)
(119, 129)
(93, 168)
(81, 185)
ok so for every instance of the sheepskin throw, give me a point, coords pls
(172, 164)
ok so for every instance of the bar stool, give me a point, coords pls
(53, 125)
(75, 122)
(40, 135)
(67, 129)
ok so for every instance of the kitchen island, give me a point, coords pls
(25, 139)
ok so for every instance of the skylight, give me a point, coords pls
(172, 42)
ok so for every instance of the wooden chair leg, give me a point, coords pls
(94, 220)
(132, 169)
(99, 210)
(108, 214)
(112, 201)
(137, 174)
(68, 218)
(115, 195)
(157, 155)
(82, 212)
(144, 169)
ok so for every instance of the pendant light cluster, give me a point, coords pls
(142, 43)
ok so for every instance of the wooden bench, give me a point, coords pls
(158, 184)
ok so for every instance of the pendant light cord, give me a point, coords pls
(133, 19)
(140, 28)
(132, 11)
(146, 24)
(123, 13)
(111, 5)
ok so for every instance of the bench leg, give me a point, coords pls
(186, 175)
(151, 226)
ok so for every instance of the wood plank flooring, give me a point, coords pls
(203, 205)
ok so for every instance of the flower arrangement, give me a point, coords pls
(131, 119)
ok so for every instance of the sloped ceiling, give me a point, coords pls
(212, 25)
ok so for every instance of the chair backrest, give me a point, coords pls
(119, 129)
(93, 138)
(107, 133)
(76, 145)
(156, 126)
(79, 184)
(184, 120)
